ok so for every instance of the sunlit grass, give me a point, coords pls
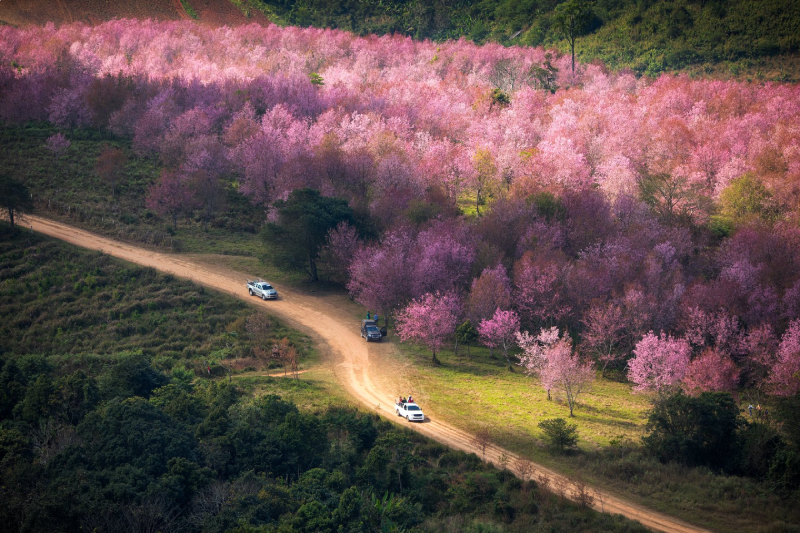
(315, 390)
(477, 391)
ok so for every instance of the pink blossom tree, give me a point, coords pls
(785, 375)
(442, 258)
(538, 291)
(558, 367)
(379, 274)
(429, 320)
(759, 349)
(58, 144)
(170, 196)
(604, 331)
(659, 362)
(340, 247)
(711, 371)
(490, 291)
(500, 330)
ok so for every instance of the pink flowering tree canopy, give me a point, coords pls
(341, 245)
(490, 291)
(170, 196)
(58, 144)
(430, 320)
(785, 375)
(557, 366)
(379, 274)
(500, 330)
(538, 292)
(605, 330)
(659, 362)
(711, 371)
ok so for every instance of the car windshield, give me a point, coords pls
(413, 408)
(372, 329)
(266, 286)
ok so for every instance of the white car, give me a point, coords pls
(411, 411)
(263, 289)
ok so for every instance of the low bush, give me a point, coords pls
(558, 434)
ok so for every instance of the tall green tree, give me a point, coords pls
(694, 431)
(304, 219)
(746, 199)
(572, 18)
(14, 197)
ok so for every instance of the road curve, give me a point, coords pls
(335, 331)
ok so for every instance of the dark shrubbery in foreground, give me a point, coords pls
(78, 451)
(110, 443)
(708, 430)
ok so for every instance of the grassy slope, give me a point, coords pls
(19, 12)
(57, 300)
(67, 188)
(730, 38)
(610, 420)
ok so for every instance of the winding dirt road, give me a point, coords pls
(335, 331)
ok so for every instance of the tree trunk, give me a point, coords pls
(11, 216)
(572, 48)
(312, 265)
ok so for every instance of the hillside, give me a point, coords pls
(738, 38)
(21, 12)
(732, 38)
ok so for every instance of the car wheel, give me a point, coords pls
(407, 420)
(264, 297)
(250, 291)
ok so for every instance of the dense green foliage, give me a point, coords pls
(207, 457)
(648, 36)
(695, 430)
(707, 430)
(304, 219)
(559, 434)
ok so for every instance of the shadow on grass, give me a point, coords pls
(602, 414)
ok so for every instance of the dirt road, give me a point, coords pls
(335, 331)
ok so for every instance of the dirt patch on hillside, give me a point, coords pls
(217, 12)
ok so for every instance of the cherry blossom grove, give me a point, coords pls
(605, 205)
(398, 113)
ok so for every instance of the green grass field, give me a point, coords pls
(58, 300)
(518, 403)
(611, 421)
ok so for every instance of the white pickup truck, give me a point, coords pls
(410, 411)
(263, 289)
